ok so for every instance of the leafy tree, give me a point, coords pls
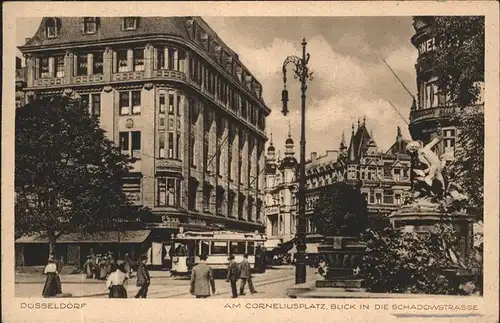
(67, 174)
(467, 169)
(459, 63)
(410, 262)
(340, 210)
(459, 57)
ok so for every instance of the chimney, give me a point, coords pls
(314, 155)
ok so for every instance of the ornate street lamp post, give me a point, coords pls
(302, 73)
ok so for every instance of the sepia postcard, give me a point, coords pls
(245, 161)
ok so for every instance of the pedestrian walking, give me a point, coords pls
(128, 265)
(97, 266)
(88, 267)
(246, 276)
(60, 264)
(143, 279)
(52, 285)
(322, 269)
(233, 275)
(202, 279)
(116, 281)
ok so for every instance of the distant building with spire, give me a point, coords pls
(382, 176)
(280, 193)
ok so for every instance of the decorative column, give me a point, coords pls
(107, 67)
(37, 68)
(176, 60)
(90, 64)
(68, 67)
(51, 67)
(130, 60)
(155, 58)
(148, 61)
(31, 70)
(166, 57)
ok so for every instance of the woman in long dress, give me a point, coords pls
(52, 285)
(116, 281)
(88, 267)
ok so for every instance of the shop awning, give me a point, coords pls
(137, 236)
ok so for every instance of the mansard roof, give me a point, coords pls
(109, 28)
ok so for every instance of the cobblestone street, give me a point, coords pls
(271, 284)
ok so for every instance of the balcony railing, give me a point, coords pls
(126, 76)
(170, 74)
(83, 79)
(174, 165)
(51, 81)
(430, 113)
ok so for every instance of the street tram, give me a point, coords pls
(217, 245)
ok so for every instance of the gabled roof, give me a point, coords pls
(359, 143)
(398, 147)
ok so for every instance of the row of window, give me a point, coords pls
(174, 145)
(387, 197)
(89, 25)
(430, 96)
(125, 60)
(215, 84)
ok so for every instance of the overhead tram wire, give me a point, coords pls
(409, 92)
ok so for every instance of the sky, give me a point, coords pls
(351, 81)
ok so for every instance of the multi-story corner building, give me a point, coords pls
(20, 82)
(383, 178)
(432, 107)
(172, 94)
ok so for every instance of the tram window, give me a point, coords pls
(205, 248)
(219, 248)
(181, 250)
(251, 248)
(237, 247)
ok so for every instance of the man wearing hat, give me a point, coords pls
(233, 274)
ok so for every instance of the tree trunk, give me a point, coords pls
(52, 243)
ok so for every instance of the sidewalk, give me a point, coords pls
(35, 278)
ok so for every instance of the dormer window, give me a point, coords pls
(90, 25)
(130, 23)
(51, 28)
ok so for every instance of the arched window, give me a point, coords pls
(51, 28)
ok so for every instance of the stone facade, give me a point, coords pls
(168, 91)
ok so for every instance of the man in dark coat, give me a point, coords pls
(246, 276)
(202, 279)
(143, 279)
(233, 275)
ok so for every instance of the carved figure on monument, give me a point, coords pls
(427, 169)
(431, 188)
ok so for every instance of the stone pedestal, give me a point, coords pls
(343, 256)
(423, 218)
